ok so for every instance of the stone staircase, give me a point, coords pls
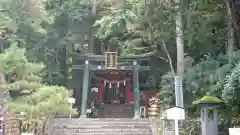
(117, 111)
(102, 126)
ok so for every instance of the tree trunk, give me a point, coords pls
(234, 8)
(230, 40)
(179, 42)
(91, 33)
(180, 56)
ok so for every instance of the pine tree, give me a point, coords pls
(36, 99)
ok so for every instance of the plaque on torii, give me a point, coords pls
(111, 60)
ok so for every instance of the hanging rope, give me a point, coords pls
(116, 81)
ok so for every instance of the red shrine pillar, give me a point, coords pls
(101, 91)
(129, 93)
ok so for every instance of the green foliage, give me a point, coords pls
(138, 27)
(135, 26)
(115, 23)
(14, 64)
(36, 99)
(167, 88)
(216, 76)
(205, 25)
(46, 101)
(231, 87)
(44, 28)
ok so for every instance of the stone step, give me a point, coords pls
(118, 116)
(106, 126)
(76, 121)
(77, 125)
(105, 123)
(114, 110)
(111, 106)
(106, 133)
(115, 133)
(104, 130)
(100, 120)
(119, 107)
(123, 113)
(116, 104)
(66, 132)
(102, 126)
(114, 113)
(118, 110)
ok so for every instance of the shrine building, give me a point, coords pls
(113, 81)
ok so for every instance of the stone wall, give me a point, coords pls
(166, 127)
(11, 125)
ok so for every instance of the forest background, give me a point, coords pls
(47, 28)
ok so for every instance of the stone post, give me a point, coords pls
(209, 120)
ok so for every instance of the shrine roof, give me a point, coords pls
(93, 57)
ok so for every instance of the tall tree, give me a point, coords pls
(230, 40)
(180, 55)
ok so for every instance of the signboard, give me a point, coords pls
(176, 113)
(89, 110)
(111, 60)
(94, 89)
(26, 133)
(168, 132)
(234, 131)
(71, 100)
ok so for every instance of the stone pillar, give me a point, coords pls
(209, 120)
(136, 91)
(85, 91)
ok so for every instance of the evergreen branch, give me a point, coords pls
(21, 85)
(169, 58)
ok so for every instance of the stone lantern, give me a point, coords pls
(209, 116)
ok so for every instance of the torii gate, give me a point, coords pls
(112, 62)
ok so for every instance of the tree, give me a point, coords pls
(45, 29)
(35, 99)
(180, 55)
